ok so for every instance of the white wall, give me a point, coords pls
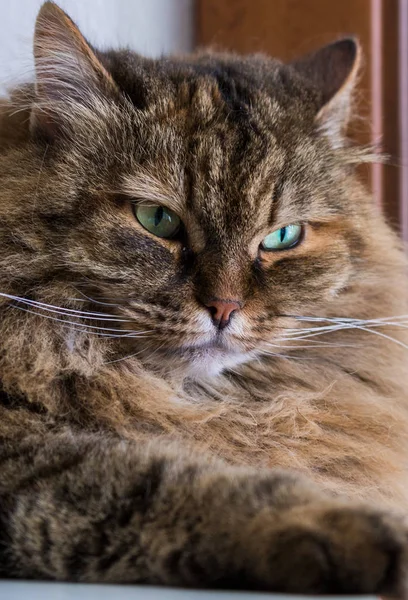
(151, 27)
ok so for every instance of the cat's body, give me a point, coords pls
(142, 426)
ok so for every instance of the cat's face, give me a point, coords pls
(200, 201)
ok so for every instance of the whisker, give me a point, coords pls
(286, 356)
(83, 327)
(383, 335)
(314, 331)
(312, 346)
(93, 300)
(135, 354)
(339, 324)
(344, 319)
(64, 310)
(111, 362)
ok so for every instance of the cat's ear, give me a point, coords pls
(68, 71)
(333, 70)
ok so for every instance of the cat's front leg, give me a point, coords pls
(84, 508)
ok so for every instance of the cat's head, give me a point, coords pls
(194, 200)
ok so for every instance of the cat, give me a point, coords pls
(203, 326)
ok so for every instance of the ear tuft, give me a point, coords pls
(67, 69)
(333, 71)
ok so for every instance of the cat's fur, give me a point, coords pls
(133, 448)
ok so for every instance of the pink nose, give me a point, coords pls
(221, 311)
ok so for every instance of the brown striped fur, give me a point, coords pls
(238, 147)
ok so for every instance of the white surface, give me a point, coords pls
(59, 591)
(151, 27)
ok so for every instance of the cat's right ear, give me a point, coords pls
(68, 72)
(333, 71)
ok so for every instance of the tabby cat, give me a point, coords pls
(203, 326)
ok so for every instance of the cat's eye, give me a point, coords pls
(283, 238)
(157, 219)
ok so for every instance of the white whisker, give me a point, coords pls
(383, 335)
(62, 310)
(311, 346)
(93, 299)
(340, 324)
(285, 356)
(85, 327)
(315, 331)
(111, 362)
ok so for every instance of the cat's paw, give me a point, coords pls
(332, 548)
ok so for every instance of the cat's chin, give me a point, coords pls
(206, 364)
(201, 363)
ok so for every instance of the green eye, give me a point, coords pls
(283, 238)
(160, 221)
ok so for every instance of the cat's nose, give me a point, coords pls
(222, 310)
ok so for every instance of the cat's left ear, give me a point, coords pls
(68, 72)
(333, 70)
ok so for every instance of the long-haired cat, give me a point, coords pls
(203, 325)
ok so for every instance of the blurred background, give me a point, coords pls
(281, 28)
